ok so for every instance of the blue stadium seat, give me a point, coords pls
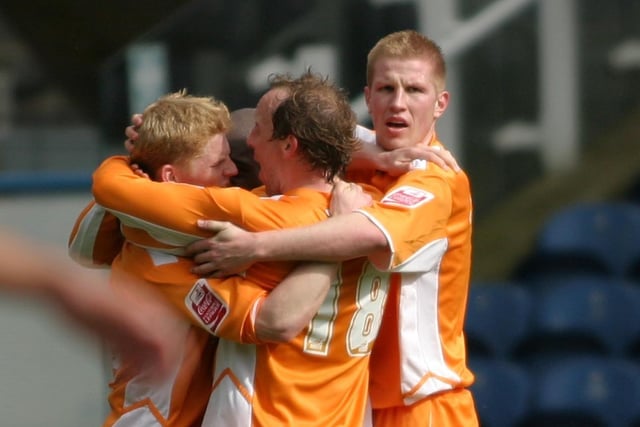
(593, 238)
(582, 315)
(498, 317)
(501, 391)
(634, 271)
(585, 391)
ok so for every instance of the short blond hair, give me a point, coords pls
(176, 128)
(408, 44)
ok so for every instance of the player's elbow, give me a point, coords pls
(367, 235)
(379, 243)
(378, 250)
(282, 335)
(373, 240)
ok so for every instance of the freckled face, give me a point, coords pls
(213, 167)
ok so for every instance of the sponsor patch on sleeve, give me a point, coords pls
(206, 305)
(409, 197)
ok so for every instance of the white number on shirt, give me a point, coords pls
(371, 294)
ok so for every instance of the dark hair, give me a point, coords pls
(319, 115)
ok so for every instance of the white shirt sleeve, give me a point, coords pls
(365, 135)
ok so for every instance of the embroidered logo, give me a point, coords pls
(410, 197)
(206, 305)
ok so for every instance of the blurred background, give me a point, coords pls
(544, 117)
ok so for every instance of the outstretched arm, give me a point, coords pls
(346, 235)
(339, 238)
(129, 323)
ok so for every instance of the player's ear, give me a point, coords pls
(367, 97)
(290, 145)
(167, 173)
(442, 101)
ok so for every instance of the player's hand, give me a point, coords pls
(131, 132)
(347, 197)
(138, 171)
(230, 251)
(398, 161)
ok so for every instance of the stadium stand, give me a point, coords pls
(502, 392)
(498, 317)
(585, 391)
(601, 238)
(582, 315)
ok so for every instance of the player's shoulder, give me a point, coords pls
(304, 205)
(436, 180)
(431, 169)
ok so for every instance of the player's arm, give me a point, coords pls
(339, 238)
(396, 162)
(170, 210)
(241, 310)
(346, 235)
(128, 323)
(368, 232)
(144, 203)
(289, 308)
(95, 238)
(350, 235)
(120, 190)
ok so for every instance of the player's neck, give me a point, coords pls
(312, 182)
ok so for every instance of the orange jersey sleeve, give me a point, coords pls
(423, 203)
(167, 212)
(95, 238)
(220, 306)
